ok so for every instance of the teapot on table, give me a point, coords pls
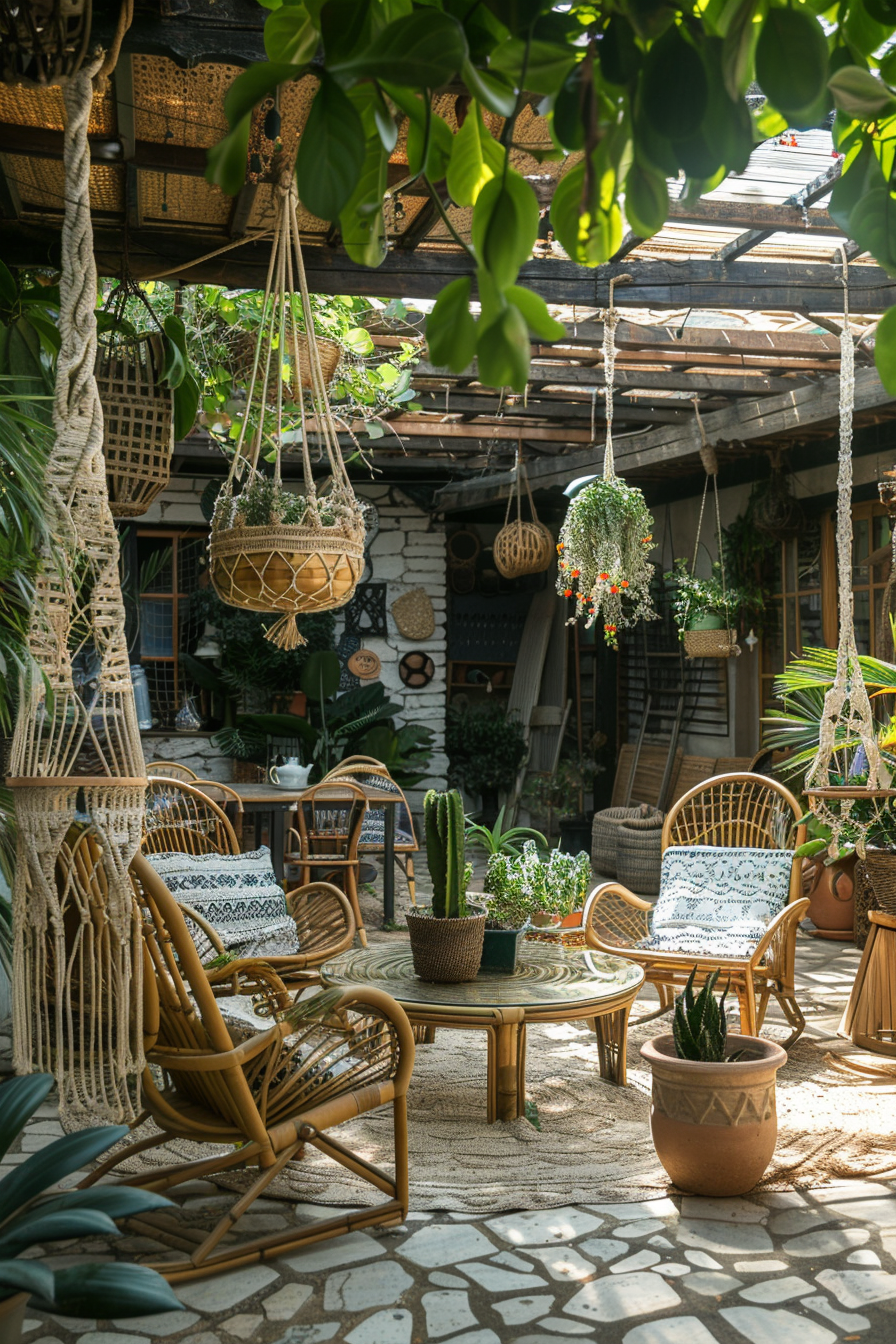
(291, 775)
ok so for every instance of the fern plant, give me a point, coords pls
(700, 1026)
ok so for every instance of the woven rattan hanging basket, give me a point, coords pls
(138, 421)
(247, 350)
(522, 548)
(306, 566)
(711, 644)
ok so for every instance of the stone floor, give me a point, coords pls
(807, 1267)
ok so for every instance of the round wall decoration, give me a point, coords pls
(416, 669)
(414, 615)
(364, 664)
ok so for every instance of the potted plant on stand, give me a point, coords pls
(712, 1116)
(704, 609)
(446, 941)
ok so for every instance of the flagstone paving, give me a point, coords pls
(796, 1267)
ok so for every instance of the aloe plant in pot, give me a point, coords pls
(712, 1116)
(31, 1213)
(446, 941)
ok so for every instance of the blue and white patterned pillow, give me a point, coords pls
(237, 894)
(708, 887)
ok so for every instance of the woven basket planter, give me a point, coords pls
(446, 951)
(138, 423)
(288, 568)
(711, 644)
(639, 852)
(523, 548)
(605, 836)
(244, 347)
(878, 870)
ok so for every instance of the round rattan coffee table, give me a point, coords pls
(551, 984)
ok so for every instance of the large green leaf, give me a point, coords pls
(537, 67)
(430, 141)
(451, 328)
(331, 152)
(590, 234)
(19, 1099)
(674, 88)
(620, 56)
(320, 675)
(279, 725)
(885, 350)
(424, 50)
(505, 226)
(254, 84)
(476, 157)
(739, 46)
(861, 174)
(646, 199)
(58, 1159)
(227, 159)
(502, 349)
(290, 35)
(118, 1201)
(535, 312)
(873, 226)
(361, 220)
(861, 96)
(569, 110)
(486, 88)
(792, 60)
(112, 1291)
(186, 404)
(26, 1276)
(34, 1228)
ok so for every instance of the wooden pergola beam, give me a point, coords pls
(762, 419)
(561, 376)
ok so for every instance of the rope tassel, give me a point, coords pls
(285, 633)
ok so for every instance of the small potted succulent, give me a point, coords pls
(712, 1118)
(446, 940)
(701, 607)
(31, 1217)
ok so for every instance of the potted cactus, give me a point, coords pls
(446, 940)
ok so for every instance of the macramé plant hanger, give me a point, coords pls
(522, 547)
(711, 643)
(76, 766)
(848, 733)
(608, 533)
(271, 549)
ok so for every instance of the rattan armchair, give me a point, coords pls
(258, 1096)
(181, 818)
(172, 770)
(731, 811)
(367, 770)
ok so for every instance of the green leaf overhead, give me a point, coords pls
(505, 225)
(792, 60)
(422, 49)
(646, 199)
(674, 86)
(290, 35)
(451, 329)
(476, 157)
(861, 96)
(535, 311)
(885, 350)
(331, 152)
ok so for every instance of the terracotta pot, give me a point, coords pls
(12, 1315)
(714, 1126)
(831, 889)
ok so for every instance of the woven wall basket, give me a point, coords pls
(711, 644)
(523, 548)
(289, 568)
(243, 361)
(138, 423)
(414, 614)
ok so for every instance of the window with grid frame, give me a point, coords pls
(803, 599)
(170, 563)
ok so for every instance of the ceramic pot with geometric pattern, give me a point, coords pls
(714, 1125)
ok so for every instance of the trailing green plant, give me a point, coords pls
(263, 502)
(694, 597)
(750, 567)
(700, 1026)
(499, 839)
(30, 1217)
(485, 747)
(556, 885)
(604, 543)
(561, 793)
(443, 817)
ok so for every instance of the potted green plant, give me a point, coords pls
(549, 891)
(713, 1118)
(446, 940)
(507, 918)
(703, 604)
(562, 795)
(499, 839)
(485, 747)
(31, 1217)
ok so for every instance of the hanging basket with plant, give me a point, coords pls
(520, 547)
(273, 549)
(295, 378)
(607, 535)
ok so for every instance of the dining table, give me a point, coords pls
(278, 801)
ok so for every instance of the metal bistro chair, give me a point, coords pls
(324, 841)
(728, 813)
(254, 1089)
(367, 770)
(181, 818)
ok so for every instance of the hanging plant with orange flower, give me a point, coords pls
(602, 556)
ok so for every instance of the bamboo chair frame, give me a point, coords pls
(730, 810)
(172, 770)
(266, 1097)
(325, 921)
(225, 797)
(354, 767)
(308, 840)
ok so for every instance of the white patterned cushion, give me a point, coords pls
(738, 942)
(713, 889)
(237, 894)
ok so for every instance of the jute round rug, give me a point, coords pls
(593, 1144)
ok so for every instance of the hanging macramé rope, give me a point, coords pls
(77, 763)
(846, 705)
(710, 643)
(608, 531)
(306, 552)
(522, 548)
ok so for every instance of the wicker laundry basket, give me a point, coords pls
(639, 852)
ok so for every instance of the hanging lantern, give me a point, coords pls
(272, 549)
(522, 548)
(138, 411)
